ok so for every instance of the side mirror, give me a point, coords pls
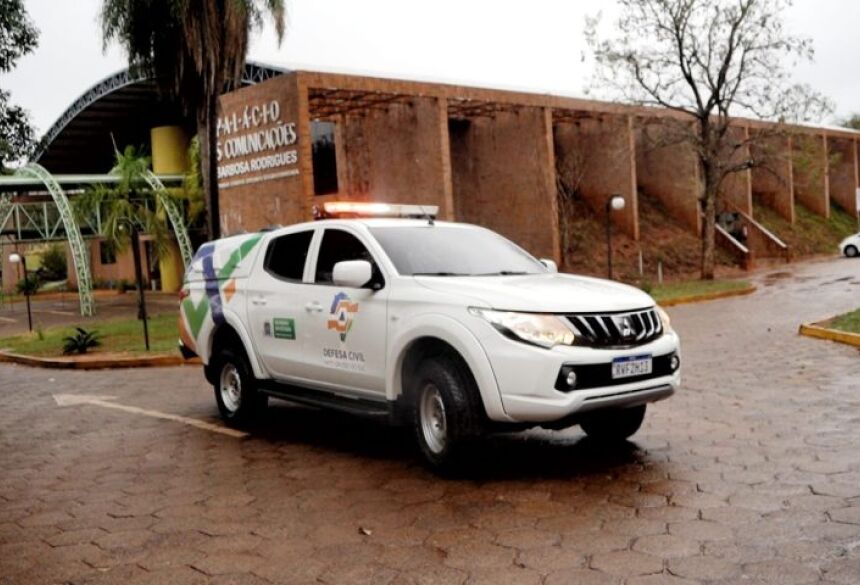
(551, 266)
(352, 273)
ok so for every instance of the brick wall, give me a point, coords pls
(394, 155)
(843, 173)
(809, 166)
(254, 205)
(503, 178)
(667, 170)
(772, 176)
(597, 153)
(736, 189)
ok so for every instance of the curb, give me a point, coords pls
(707, 297)
(820, 332)
(106, 363)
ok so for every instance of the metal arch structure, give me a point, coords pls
(92, 95)
(78, 247)
(174, 214)
(253, 74)
(6, 208)
(257, 72)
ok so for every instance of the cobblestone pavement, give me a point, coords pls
(750, 475)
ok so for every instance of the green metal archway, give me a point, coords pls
(80, 257)
(174, 214)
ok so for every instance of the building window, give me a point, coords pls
(107, 253)
(324, 157)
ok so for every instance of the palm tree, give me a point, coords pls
(127, 209)
(195, 49)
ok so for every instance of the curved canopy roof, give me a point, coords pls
(121, 108)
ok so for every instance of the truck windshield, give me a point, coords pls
(453, 251)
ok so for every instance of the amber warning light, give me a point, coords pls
(346, 209)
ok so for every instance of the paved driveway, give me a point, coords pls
(750, 475)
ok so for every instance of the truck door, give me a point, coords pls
(276, 299)
(346, 327)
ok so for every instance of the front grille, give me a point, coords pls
(616, 329)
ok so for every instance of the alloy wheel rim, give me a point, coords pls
(434, 423)
(231, 387)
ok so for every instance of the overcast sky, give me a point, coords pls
(536, 45)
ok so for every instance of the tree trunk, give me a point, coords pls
(207, 129)
(709, 197)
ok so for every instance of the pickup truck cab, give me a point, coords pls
(447, 327)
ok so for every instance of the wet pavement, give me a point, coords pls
(750, 475)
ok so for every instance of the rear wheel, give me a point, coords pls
(445, 410)
(851, 251)
(236, 391)
(613, 425)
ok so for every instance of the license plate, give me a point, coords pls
(632, 366)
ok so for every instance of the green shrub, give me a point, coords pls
(54, 262)
(28, 285)
(80, 342)
(123, 285)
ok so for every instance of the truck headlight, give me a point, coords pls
(542, 330)
(664, 318)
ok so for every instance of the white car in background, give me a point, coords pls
(448, 328)
(850, 246)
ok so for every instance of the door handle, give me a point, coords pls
(259, 301)
(313, 307)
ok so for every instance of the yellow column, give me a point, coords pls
(170, 157)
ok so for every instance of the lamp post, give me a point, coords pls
(614, 203)
(16, 259)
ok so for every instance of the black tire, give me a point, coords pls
(613, 425)
(452, 387)
(851, 251)
(243, 403)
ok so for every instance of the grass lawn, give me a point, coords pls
(849, 322)
(673, 290)
(124, 335)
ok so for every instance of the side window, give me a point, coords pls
(338, 246)
(286, 256)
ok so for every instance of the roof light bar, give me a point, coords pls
(345, 209)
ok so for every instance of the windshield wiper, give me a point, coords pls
(439, 274)
(504, 273)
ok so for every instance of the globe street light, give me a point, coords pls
(614, 203)
(19, 259)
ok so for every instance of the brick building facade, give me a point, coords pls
(495, 158)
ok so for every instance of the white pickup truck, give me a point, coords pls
(380, 310)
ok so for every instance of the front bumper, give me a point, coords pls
(186, 351)
(528, 378)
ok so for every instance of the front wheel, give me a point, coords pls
(613, 425)
(851, 251)
(445, 411)
(236, 390)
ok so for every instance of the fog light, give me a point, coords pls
(570, 380)
(675, 363)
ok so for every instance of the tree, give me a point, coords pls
(195, 49)
(707, 61)
(18, 37)
(128, 209)
(54, 262)
(852, 122)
